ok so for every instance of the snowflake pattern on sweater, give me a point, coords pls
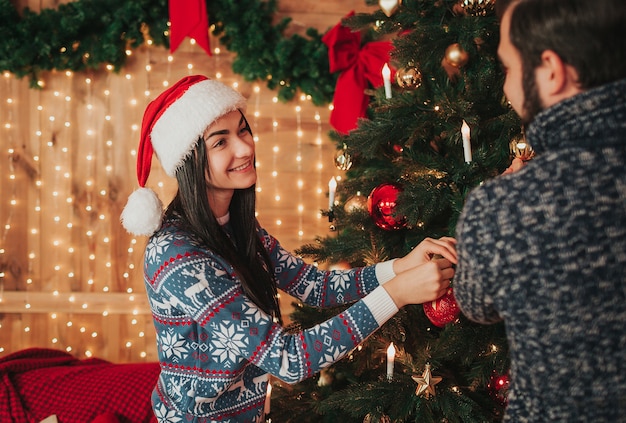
(216, 347)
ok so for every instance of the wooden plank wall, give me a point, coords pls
(69, 275)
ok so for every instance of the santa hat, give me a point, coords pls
(171, 127)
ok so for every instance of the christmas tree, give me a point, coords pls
(439, 130)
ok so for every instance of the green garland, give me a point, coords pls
(87, 34)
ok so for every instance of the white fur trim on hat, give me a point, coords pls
(175, 133)
(143, 212)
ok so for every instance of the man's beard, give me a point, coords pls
(532, 102)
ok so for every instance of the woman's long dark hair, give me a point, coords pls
(246, 254)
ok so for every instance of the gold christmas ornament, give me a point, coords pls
(409, 78)
(389, 7)
(478, 7)
(343, 160)
(325, 378)
(354, 203)
(521, 149)
(456, 56)
(383, 419)
(426, 383)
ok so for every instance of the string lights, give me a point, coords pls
(68, 164)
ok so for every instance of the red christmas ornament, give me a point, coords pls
(381, 205)
(443, 310)
(499, 387)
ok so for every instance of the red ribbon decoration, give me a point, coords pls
(358, 66)
(189, 18)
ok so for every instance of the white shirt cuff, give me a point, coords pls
(381, 305)
(384, 271)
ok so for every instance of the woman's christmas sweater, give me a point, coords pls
(217, 348)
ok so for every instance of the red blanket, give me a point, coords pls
(36, 383)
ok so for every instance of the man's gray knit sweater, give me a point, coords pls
(544, 249)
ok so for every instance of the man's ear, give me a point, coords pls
(556, 80)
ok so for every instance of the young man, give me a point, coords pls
(544, 248)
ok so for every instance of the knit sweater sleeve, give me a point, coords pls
(480, 259)
(322, 288)
(235, 330)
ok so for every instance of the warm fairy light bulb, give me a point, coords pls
(95, 334)
(300, 208)
(279, 222)
(274, 174)
(129, 344)
(84, 306)
(54, 340)
(277, 197)
(27, 329)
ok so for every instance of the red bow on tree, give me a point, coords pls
(358, 66)
(189, 18)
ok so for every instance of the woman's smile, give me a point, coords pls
(243, 167)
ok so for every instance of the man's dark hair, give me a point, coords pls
(586, 34)
(245, 252)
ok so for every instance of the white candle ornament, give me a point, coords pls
(268, 398)
(387, 80)
(391, 357)
(467, 146)
(332, 188)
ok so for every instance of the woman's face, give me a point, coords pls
(230, 153)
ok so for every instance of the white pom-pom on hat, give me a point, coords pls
(171, 127)
(143, 212)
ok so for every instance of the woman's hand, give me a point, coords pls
(425, 251)
(422, 283)
(516, 165)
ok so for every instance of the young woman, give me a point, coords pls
(212, 273)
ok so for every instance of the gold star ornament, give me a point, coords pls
(426, 383)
